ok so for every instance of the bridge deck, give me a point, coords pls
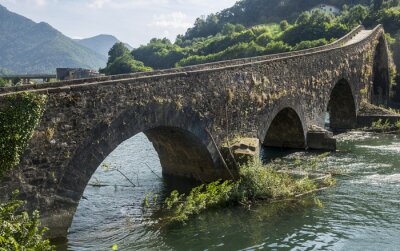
(359, 37)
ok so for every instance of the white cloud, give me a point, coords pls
(124, 4)
(132, 21)
(98, 4)
(172, 20)
(40, 2)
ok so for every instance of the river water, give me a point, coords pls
(362, 212)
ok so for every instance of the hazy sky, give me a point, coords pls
(132, 21)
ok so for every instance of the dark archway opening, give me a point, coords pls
(285, 131)
(381, 76)
(181, 153)
(341, 107)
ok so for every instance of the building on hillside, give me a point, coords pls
(76, 73)
(329, 9)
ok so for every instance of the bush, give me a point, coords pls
(310, 44)
(277, 47)
(125, 64)
(284, 25)
(18, 231)
(256, 182)
(4, 83)
(264, 39)
(262, 182)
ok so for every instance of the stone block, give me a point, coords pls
(321, 139)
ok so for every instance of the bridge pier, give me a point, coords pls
(320, 139)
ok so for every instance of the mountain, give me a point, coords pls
(100, 44)
(29, 47)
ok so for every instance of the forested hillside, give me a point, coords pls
(253, 12)
(236, 41)
(29, 47)
(259, 27)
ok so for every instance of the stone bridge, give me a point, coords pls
(189, 113)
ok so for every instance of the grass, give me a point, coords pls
(380, 125)
(385, 126)
(257, 182)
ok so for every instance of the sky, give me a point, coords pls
(131, 21)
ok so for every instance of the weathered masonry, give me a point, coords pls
(189, 113)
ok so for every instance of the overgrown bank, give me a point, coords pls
(256, 183)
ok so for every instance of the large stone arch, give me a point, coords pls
(285, 127)
(181, 139)
(380, 89)
(342, 107)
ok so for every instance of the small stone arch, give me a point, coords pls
(379, 92)
(285, 128)
(342, 106)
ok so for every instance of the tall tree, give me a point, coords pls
(118, 50)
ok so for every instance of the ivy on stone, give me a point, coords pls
(20, 113)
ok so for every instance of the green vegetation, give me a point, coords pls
(4, 83)
(397, 124)
(256, 182)
(380, 125)
(19, 116)
(234, 41)
(18, 231)
(181, 207)
(259, 27)
(253, 12)
(120, 62)
(223, 36)
(385, 126)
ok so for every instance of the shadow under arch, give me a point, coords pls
(380, 90)
(285, 130)
(342, 107)
(180, 139)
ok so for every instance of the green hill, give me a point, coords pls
(29, 47)
(253, 12)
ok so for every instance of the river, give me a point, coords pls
(362, 212)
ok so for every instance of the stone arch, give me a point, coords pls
(342, 106)
(380, 89)
(180, 138)
(285, 129)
